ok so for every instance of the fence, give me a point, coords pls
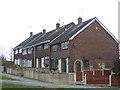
(98, 77)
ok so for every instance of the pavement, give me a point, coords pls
(26, 81)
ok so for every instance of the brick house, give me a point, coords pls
(70, 48)
(86, 45)
(35, 51)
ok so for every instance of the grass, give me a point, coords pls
(6, 78)
(8, 85)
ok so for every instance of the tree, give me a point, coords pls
(2, 57)
(10, 54)
(116, 68)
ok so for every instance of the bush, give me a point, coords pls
(116, 68)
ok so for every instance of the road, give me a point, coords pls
(26, 81)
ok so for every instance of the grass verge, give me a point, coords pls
(7, 78)
(8, 85)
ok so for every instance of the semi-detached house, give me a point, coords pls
(70, 48)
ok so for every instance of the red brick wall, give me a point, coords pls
(96, 77)
(99, 77)
(93, 43)
(78, 76)
(115, 81)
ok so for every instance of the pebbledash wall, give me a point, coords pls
(43, 75)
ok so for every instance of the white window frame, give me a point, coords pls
(46, 46)
(30, 50)
(64, 45)
(39, 47)
(54, 48)
(20, 50)
(16, 51)
(24, 52)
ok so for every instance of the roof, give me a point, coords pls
(76, 29)
(62, 34)
(70, 32)
(28, 40)
(47, 37)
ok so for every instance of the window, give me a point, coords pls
(54, 64)
(54, 47)
(39, 47)
(86, 63)
(24, 52)
(20, 50)
(45, 46)
(64, 45)
(30, 50)
(16, 51)
(46, 63)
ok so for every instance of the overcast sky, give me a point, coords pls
(16, 16)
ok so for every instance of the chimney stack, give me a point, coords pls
(44, 31)
(79, 20)
(31, 34)
(57, 25)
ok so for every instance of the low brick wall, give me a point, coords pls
(43, 75)
(115, 81)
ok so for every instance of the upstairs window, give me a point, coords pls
(54, 48)
(46, 46)
(30, 50)
(64, 45)
(16, 51)
(20, 50)
(24, 52)
(39, 47)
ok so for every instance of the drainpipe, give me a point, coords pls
(34, 56)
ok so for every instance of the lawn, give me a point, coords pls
(6, 78)
(8, 85)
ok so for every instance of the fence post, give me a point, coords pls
(74, 77)
(110, 80)
(85, 79)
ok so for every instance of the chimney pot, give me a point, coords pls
(31, 34)
(57, 25)
(44, 31)
(79, 20)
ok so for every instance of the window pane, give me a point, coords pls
(54, 64)
(29, 50)
(39, 47)
(86, 63)
(46, 63)
(20, 50)
(24, 52)
(16, 51)
(64, 45)
(54, 48)
(45, 46)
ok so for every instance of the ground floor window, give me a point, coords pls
(54, 64)
(27, 63)
(18, 61)
(86, 63)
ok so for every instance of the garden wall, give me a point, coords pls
(43, 75)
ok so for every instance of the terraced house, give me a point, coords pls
(70, 48)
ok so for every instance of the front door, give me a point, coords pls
(78, 66)
(63, 65)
